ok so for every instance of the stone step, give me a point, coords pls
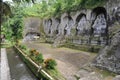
(92, 76)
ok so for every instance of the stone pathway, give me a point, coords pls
(69, 61)
(4, 68)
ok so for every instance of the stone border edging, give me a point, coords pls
(4, 66)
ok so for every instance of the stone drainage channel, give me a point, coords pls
(13, 68)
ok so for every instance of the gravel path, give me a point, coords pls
(69, 61)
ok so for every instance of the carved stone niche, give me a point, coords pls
(55, 26)
(47, 26)
(66, 25)
(98, 19)
(99, 25)
(82, 26)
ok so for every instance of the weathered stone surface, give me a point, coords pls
(109, 57)
(92, 76)
(84, 23)
(117, 77)
(55, 26)
(82, 26)
(32, 28)
(32, 24)
(66, 24)
(47, 26)
(100, 25)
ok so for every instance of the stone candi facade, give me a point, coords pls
(88, 26)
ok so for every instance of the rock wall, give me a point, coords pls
(109, 57)
(89, 26)
(31, 28)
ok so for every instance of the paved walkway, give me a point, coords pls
(4, 68)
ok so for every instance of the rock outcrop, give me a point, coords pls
(109, 56)
(32, 28)
(117, 77)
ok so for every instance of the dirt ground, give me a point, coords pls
(69, 61)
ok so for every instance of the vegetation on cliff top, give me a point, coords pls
(56, 7)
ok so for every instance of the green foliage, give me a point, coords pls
(13, 25)
(56, 7)
(6, 30)
(50, 63)
(35, 55)
(17, 28)
(39, 58)
(94, 3)
(23, 47)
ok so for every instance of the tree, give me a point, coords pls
(4, 11)
(20, 1)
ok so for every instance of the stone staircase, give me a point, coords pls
(87, 73)
(91, 76)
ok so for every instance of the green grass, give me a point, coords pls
(55, 74)
(105, 73)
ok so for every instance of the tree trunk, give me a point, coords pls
(1, 13)
(33, 1)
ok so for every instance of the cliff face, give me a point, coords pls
(109, 56)
(95, 27)
(31, 28)
(83, 27)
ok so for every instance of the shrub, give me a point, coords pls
(17, 42)
(32, 51)
(23, 47)
(50, 63)
(39, 57)
(36, 53)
